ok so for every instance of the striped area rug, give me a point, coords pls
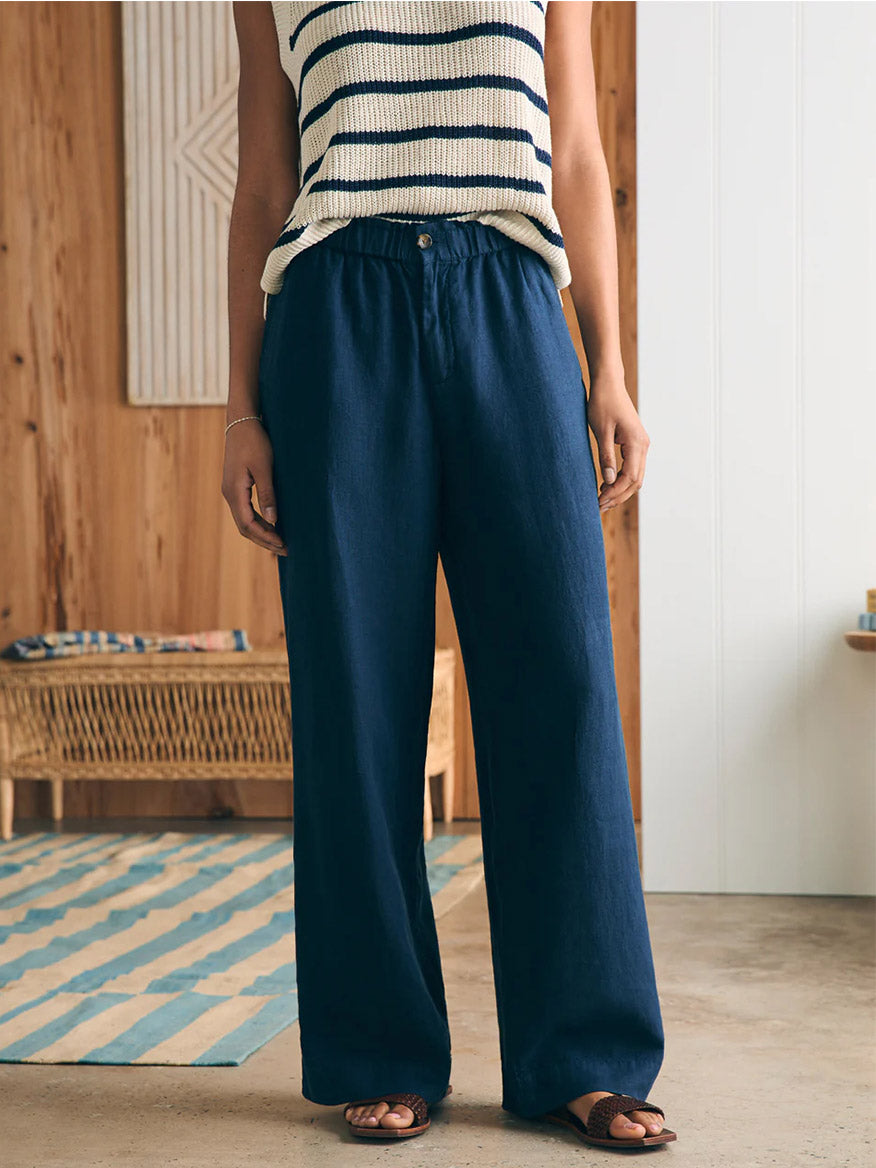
(167, 948)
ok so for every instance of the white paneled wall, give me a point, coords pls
(756, 130)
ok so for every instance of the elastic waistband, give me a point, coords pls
(444, 238)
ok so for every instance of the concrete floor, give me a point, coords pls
(768, 1010)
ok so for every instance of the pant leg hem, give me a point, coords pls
(552, 1093)
(430, 1092)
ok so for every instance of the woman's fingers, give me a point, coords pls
(631, 476)
(616, 423)
(626, 485)
(267, 502)
(249, 523)
(628, 481)
(248, 462)
(607, 460)
(618, 487)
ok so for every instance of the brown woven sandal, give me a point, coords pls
(417, 1104)
(603, 1111)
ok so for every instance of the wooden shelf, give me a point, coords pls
(862, 639)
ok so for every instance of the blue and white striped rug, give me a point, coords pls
(165, 948)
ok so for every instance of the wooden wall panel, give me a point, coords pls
(113, 516)
(614, 46)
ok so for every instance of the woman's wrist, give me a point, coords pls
(605, 366)
(608, 382)
(238, 405)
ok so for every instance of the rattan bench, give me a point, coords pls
(170, 716)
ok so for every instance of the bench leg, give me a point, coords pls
(447, 791)
(57, 799)
(7, 793)
(7, 797)
(427, 812)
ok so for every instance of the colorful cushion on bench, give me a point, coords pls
(75, 642)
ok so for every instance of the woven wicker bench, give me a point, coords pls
(170, 716)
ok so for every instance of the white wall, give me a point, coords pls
(756, 128)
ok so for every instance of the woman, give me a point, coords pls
(414, 390)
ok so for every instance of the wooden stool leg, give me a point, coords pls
(7, 792)
(447, 791)
(57, 799)
(7, 797)
(427, 812)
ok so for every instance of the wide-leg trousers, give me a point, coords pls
(422, 396)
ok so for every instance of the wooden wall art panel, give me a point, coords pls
(179, 73)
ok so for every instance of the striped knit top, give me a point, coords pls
(411, 111)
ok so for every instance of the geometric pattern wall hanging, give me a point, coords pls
(180, 73)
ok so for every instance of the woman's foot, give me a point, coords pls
(379, 1115)
(631, 1126)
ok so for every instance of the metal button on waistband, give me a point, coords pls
(424, 240)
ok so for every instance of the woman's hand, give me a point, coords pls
(248, 462)
(615, 422)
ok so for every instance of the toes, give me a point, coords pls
(368, 1116)
(634, 1125)
(626, 1128)
(379, 1113)
(399, 1116)
(651, 1120)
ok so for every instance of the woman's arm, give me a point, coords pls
(267, 183)
(582, 199)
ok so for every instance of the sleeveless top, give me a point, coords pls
(411, 111)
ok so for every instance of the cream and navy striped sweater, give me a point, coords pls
(409, 111)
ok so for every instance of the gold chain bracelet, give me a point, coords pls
(248, 418)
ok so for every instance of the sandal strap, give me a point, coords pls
(417, 1103)
(604, 1110)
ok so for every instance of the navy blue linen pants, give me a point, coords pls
(422, 395)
